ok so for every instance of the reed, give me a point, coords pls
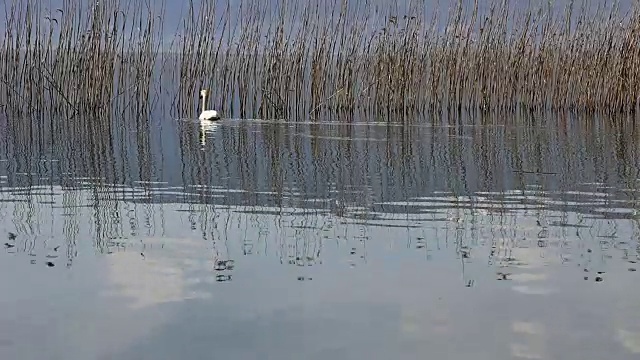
(317, 59)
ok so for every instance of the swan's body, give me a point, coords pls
(208, 115)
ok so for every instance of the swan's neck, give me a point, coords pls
(204, 102)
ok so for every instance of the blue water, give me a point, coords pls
(278, 240)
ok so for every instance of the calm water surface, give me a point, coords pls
(270, 240)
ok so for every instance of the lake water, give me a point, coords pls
(497, 239)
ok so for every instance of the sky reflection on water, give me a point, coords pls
(290, 241)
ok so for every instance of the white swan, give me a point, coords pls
(210, 115)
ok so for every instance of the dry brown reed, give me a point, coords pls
(301, 60)
(75, 60)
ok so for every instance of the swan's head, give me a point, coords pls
(204, 93)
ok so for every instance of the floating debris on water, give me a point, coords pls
(223, 278)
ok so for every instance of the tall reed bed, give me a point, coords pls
(313, 59)
(77, 59)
